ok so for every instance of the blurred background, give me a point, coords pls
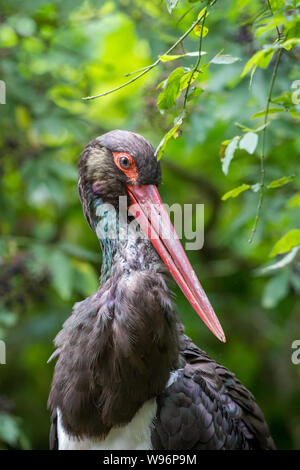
(54, 53)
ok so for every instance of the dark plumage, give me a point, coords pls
(120, 345)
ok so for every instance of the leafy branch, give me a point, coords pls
(147, 69)
(196, 67)
(262, 59)
(262, 155)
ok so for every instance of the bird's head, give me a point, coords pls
(122, 163)
(115, 161)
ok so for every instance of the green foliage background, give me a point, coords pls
(54, 53)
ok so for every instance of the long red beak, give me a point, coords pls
(150, 213)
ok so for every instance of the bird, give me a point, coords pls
(126, 375)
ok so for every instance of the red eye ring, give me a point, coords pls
(126, 164)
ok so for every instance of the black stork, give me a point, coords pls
(127, 377)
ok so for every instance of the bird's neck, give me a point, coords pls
(124, 246)
(123, 341)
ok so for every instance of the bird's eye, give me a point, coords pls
(124, 162)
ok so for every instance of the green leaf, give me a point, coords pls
(229, 154)
(7, 318)
(169, 57)
(276, 5)
(171, 91)
(281, 182)
(275, 290)
(269, 24)
(235, 192)
(223, 147)
(290, 43)
(63, 170)
(259, 59)
(270, 111)
(86, 281)
(173, 132)
(9, 429)
(224, 59)
(8, 37)
(250, 129)
(198, 30)
(177, 81)
(62, 274)
(196, 91)
(294, 201)
(80, 252)
(249, 142)
(286, 243)
(188, 77)
(285, 99)
(171, 4)
(285, 261)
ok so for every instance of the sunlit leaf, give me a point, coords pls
(294, 201)
(200, 30)
(290, 43)
(249, 142)
(269, 24)
(271, 110)
(281, 182)
(250, 129)
(285, 261)
(287, 242)
(229, 154)
(276, 5)
(8, 37)
(259, 59)
(224, 59)
(169, 57)
(235, 192)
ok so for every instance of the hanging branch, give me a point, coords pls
(263, 156)
(151, 66)
(198, 59)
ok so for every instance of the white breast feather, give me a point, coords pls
(135, 435)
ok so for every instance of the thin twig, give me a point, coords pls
(277, 29)
(197, 62)
(262, 156)
(151, 66)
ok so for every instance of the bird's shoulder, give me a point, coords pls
(207, 407)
